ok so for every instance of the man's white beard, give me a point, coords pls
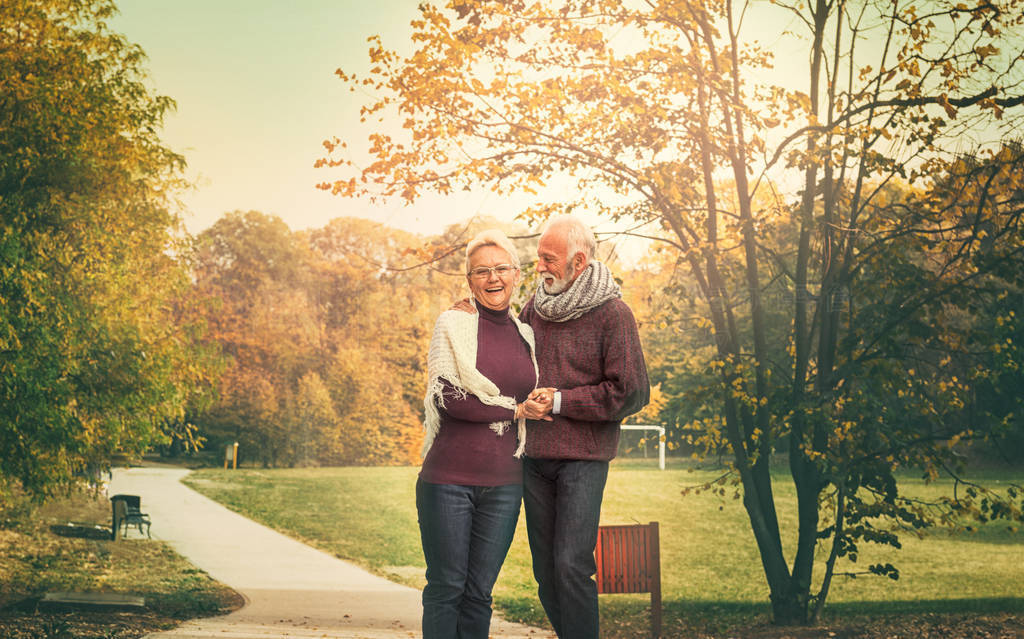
(557, 286)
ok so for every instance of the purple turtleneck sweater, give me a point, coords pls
(466, 451)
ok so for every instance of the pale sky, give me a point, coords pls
(257, 95)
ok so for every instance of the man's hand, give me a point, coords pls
(465, 305)
(538, 404)
(542, 395)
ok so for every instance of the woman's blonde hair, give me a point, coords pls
(492, 237)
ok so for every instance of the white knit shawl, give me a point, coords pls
(452, 357)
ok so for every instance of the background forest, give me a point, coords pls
(324, 334)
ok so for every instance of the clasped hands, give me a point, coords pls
(537, 405)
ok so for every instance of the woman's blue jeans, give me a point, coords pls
(562, 499)
(466, 532)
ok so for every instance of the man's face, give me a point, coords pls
(553, 264)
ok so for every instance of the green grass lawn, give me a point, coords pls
(711, 574)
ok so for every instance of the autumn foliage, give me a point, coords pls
(324, 353)
(326, 335)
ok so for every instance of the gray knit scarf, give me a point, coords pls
(592, 288)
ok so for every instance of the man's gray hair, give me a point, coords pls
(579, 237)
(492, 237)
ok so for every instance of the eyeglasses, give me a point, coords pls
(484, 272)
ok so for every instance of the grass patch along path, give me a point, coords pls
(34, 561)
(953, 584)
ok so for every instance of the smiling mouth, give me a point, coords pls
(498, 289)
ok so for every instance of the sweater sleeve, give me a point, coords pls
(624, 388)
(468, 408)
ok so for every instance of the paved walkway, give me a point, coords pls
(291, 589)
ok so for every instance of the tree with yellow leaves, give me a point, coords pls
(814, 298)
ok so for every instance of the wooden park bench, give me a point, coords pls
(127, 512)
(629, 560)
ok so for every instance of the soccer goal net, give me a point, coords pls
(639, 439)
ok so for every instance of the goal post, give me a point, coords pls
(661, 439)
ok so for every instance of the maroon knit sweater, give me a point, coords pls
(595, 361)
(466, 452)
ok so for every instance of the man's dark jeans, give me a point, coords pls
(562, 499)
(466, 532)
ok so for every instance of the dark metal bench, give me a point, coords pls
(127, 512)
(629, 560)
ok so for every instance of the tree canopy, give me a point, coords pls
(92, 361)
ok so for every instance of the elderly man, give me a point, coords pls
(592, 375)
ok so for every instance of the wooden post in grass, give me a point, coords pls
(231, 455)
(629, 560)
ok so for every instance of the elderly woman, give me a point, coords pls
(481, 367)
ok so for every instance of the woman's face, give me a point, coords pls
(490, 288)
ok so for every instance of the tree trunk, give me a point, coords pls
(791, 605)
(789, 608)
